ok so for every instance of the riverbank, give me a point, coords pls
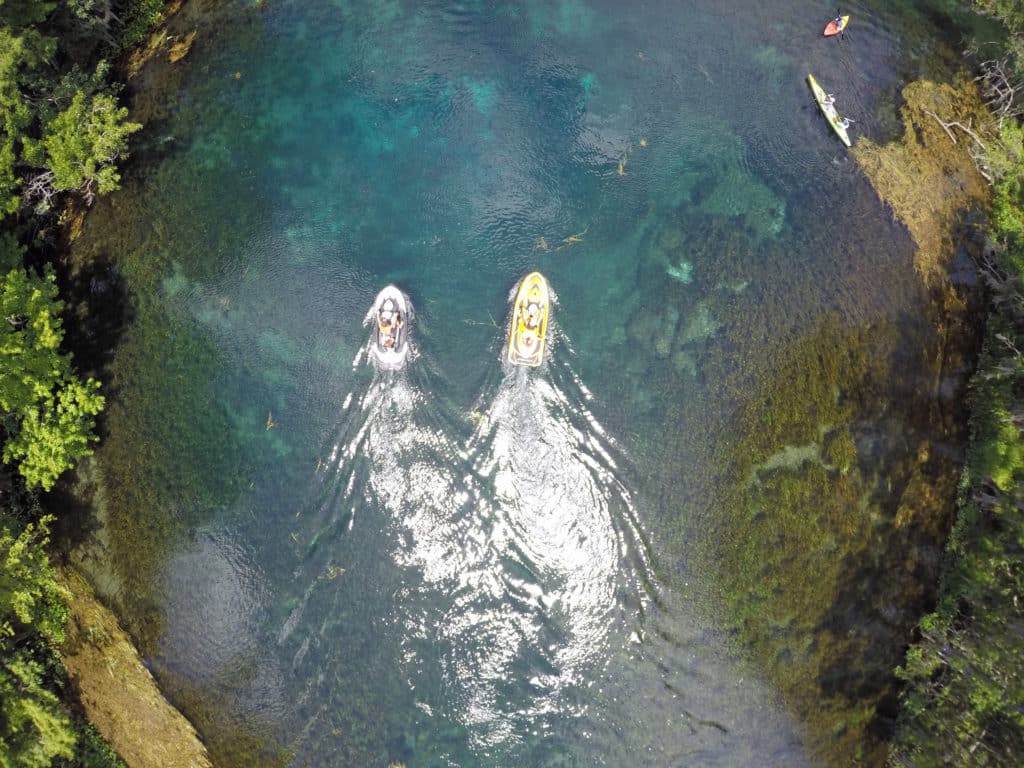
(964, 675)
(64, 659)
(117, 692)
(124, 533)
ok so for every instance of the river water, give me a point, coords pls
(463, 563)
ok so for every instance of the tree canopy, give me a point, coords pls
(46, 411)
(84, 141)
(34, 728)
(41, 154)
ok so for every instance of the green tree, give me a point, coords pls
(46, 411)
(20, 54)
(19, 14)
(1011, 14)
(34, 728)
(83, 143)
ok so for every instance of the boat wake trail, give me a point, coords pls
(496, 562)
(540, 558)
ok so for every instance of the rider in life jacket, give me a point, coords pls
(532, 314)
(389, 320)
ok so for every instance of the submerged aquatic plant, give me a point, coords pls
(928, 177)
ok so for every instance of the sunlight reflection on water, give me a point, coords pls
(523, 538)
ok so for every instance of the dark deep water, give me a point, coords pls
(462, 563)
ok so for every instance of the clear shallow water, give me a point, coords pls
(463, 564)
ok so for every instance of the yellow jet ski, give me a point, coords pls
(529, 321)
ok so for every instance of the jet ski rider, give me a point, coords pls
(389, 321)
(532, 309)
(532, 314)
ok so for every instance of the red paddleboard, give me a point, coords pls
(834, 29)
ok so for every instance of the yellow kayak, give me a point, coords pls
(829, 111)
(529, 321)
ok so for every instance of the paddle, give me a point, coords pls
(842, 30)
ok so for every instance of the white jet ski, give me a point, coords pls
(390, 317)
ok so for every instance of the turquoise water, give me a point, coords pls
(463, 563)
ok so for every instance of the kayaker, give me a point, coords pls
(843, 123)
(829, 100)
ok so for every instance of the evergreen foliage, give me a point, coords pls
(966, 675)
(41, 153)
(1011, 14)
(83, 142)
(1006, 159)
(92, 752)
(61, 129)
(34, 728)
(47, 412)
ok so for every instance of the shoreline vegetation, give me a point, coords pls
(964, 677)
(63, 135)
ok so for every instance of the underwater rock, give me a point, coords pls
(699, 327)
(683, 272)
(685, 363)
(643, 326)
(666, 332)
(669, 238)
(738, 194)
(737, 287)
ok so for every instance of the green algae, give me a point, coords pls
(709, 176)
(929, 176)
(841, 449)
(822, 535)
(232, 741)
(801, 545)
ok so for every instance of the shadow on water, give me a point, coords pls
(97, 312)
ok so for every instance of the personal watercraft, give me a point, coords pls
(390, 318)
(529, 321)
